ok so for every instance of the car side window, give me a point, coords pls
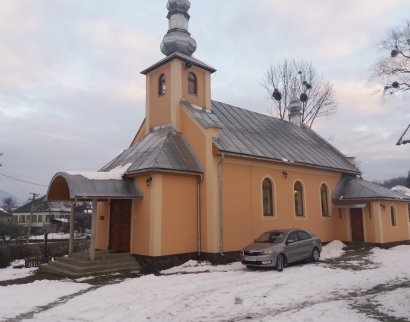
(294, 236)
(303, 235)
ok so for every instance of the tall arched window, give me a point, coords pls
(161, 85)
(324, 202)
(393, 216)
(267, 193)
(192, 83)
(298, 199)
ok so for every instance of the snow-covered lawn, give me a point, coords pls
(10, 273)
(202, 292)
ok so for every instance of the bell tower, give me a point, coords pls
(177, 76)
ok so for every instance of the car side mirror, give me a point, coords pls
(290, 241)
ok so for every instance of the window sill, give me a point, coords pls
(269, 217)
(300, 217)
(194, 94)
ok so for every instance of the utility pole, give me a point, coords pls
(31, 216)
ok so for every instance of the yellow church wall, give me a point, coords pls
(140, 134)
(197, 140)
(200, 140)
(399, 232)
(341, 224)
(369, 225)
(103, 225)
(203, 88)
(140, 221)
(179, 214)
(243, 206)
(158, 111)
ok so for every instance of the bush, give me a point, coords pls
(5, 257)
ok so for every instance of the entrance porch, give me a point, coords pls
(80, 187)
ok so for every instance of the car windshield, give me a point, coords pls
(271, 237)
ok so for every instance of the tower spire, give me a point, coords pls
(178, 39)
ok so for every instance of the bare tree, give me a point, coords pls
(10, 231)
(280, 78)
(393, 69)
(9, 203)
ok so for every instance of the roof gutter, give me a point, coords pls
(130, 173)
(247, 156)
(220, 204)
(201, 178)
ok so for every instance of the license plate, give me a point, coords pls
(250, 259)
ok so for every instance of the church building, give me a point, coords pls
(203, 178)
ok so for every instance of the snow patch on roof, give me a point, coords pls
(402, 189)
(113, 174)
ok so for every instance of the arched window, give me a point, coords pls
(393, 216)
(161, 85)
(298, 199)
(267, 193)
(192, 83)
(324, 202)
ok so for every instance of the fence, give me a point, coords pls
(35, 261)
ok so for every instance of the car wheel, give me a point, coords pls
(280, 262)
(315, 255)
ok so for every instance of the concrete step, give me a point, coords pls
(66, 273)
(87, 263)
(95, 269)
(99, 255)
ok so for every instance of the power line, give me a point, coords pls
(385, 175)
(36, 184)
(21, 190)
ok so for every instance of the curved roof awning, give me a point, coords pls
(67, 187)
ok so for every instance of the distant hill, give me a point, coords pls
(5, 194)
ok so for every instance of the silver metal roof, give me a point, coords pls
(206, 118)
(184, 58)
(250, 134)
(81, 188)
(162, 149)
(41, 205)
(353, 188)
(405, 138)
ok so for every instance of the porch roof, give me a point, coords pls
(353, 188)
(66, 187)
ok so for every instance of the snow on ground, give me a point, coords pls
(195, 267)
(332, 250)
(305, 292)
(10, 273)
(57, 236)
(18, 299)
(396, 303)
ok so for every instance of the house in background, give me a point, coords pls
(5, 216)
(204, 178)
(405, 138)
(57, 213)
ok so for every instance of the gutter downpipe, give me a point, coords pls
(201, 178)
(220, 204)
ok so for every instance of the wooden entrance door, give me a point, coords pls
(120, 225)
(356, 222)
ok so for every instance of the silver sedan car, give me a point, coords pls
(277, 248)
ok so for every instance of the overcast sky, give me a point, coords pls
(72, 96)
